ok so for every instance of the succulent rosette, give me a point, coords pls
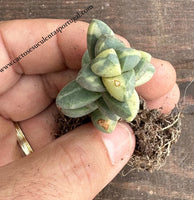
(105, 85)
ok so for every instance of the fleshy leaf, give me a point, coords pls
(146, 56)
(73, 96)
(107, 42)
(106, 64)
(85, 59)
(105, 110)
(95, 30)
(105, 85)
(119, 108)
(133, 102)
(128, 58)
(90, 81)
(120, 87)
(79, 112)
(102, 122)
(143, 72)
(125, 110)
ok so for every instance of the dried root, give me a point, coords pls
(155, 134)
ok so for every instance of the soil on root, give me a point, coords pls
(155, 134)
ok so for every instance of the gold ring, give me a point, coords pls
(22, 141)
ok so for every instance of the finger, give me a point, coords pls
(167, 102)
(8, 78)
(49, 57)
(161, 83)
(62, 50)
(52, 55)
(32, 94)
(40, 129)
(84, 158)
(9, 150)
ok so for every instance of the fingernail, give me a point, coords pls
(118, 143)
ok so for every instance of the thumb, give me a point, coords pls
(75, 166)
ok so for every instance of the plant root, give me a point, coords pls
(155, 134)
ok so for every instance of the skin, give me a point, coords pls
(77, 165)
(163, 71)
(172, 97)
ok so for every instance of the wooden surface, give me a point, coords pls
(166, 30)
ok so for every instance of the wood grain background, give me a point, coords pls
(166, 30)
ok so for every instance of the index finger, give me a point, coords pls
(44, 45)
(55, 53)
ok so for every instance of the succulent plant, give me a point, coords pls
(105, 85)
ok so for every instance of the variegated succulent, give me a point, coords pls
(105, 85)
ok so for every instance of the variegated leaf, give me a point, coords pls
(120, 87)
(73, 96)
(80, 112)
(95, 30)
(107, 42)
(143, 72)
(105, 109)
(106, 64)
(85, 59)
(133, 103)
(146, 56)
(126, 110)
(102, 122)
(128, 58)
(90, 81)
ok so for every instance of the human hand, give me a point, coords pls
(75, 166)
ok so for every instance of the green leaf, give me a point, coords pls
(85, 59)
(95, 30)
(119, 108)
(143, 72)
(106, 64)
(107, 42)
(128, 58)
(126, 110)
(120, 87)
(90, 81)
(79, 112)
(133, 103)
(102, 122)
(146, 56)
(105, 109)
(73, 96)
